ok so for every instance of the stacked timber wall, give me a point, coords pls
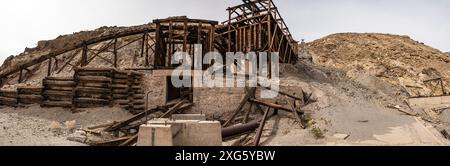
(93, 88)
(58, 92)
(127, 90)
(21, 96)
(8, 98)
(88, 88)
(30, 95)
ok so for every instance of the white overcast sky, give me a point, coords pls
(24, 22)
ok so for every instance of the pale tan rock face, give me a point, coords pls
(397, 60)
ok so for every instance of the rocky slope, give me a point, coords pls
(376, 59)
(47, 46)
(128, 56)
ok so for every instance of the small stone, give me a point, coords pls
(133, 131)
(341, 136)
(121, 134)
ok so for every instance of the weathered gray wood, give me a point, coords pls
(92, 101)
(120, 96)
(59, 88)
(7, 99)
(59, 78)
(30, 91)
(64, 104)
(116, 86)
(30, 99)
(94, 95)
(94, 79)
(92, 90)
(59, 83)
(11, 94)
(92, 73)
(95, 85)
(247, 96)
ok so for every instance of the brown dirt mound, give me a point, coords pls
(397, 60)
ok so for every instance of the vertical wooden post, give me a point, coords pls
(20, 76)
(115, 53)
(185, 36)
(285, 52)
(158, 43)
(212, 38)
(236, 43)
(49, 68)
(229, 30)
(199, 33)
(84, 56)
(147, 63)
(170, 44)
(143, 44)
(269, 27)
(259, 33)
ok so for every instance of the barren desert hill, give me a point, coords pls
(65, 41)
(397, 60)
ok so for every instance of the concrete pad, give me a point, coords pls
(201, 117)
(155, 135)
(204, 133)
(193, 132)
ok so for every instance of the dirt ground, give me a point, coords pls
(346, 113)
(35, 126)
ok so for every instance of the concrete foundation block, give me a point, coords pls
(203, 133)
(155, 135)
(192, 132)
(201, 117)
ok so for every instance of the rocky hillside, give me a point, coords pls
(398, 60)
(128, 56)
(47, 46)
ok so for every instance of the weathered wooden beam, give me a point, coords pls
(272, 105)
(113, 142)
(174, 109)
(246, 98)
(261, 127)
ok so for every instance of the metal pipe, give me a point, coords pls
(239, 129)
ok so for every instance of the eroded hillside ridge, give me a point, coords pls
(64, 41)
(400, 61)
